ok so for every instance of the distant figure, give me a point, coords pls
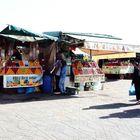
(136, 81)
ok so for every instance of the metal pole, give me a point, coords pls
(90, 55)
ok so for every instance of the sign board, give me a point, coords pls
(15, 81)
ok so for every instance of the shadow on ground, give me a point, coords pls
(133, 100)
(17, 98)
(111, 80)
(109, 106)
(133, 113)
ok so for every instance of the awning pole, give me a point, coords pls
(90, 55)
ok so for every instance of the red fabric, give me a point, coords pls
(72, 48)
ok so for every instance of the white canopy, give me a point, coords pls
(78, 51)
(103, 44)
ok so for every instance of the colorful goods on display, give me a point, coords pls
(85, 72)
(85, 68)
(118, 68)
(18, 74)
(20, 55)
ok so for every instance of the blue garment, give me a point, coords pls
(63, 74)
(47, 84)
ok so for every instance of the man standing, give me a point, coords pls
(136, 81)
(63, 73)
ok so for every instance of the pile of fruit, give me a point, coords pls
(85, 67)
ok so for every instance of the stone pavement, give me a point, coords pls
(110, 114)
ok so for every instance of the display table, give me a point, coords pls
(83, 78)
(118, 69)
(86, 74)
(21, 75)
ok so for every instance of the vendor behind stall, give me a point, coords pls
(16, 55)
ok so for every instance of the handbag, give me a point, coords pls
(132, 90)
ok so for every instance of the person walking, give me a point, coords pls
(136, 81)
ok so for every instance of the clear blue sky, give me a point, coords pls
(116, 17)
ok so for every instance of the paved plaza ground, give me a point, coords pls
(110, 114)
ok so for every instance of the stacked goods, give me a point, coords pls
(86, 64)
(118, 67)
(87, 73)
(21, 68)
(77, 67)
(94, 65)
(99, 71)
(85, 68)
(21, 63)
(118, 63)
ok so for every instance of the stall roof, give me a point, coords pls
(105, 43)
(21, 34)
(13, 30)
(102, 43)
(66, 39)
(93, 35)
(22, 38)
(54, 33)
(75, 34)
(76, 37)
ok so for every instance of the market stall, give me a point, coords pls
(82, 73)
(20, 63)
(87, 75)
(118, 67)
(108, 50)
(21, 73)
(97, 46)
(114, 58)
